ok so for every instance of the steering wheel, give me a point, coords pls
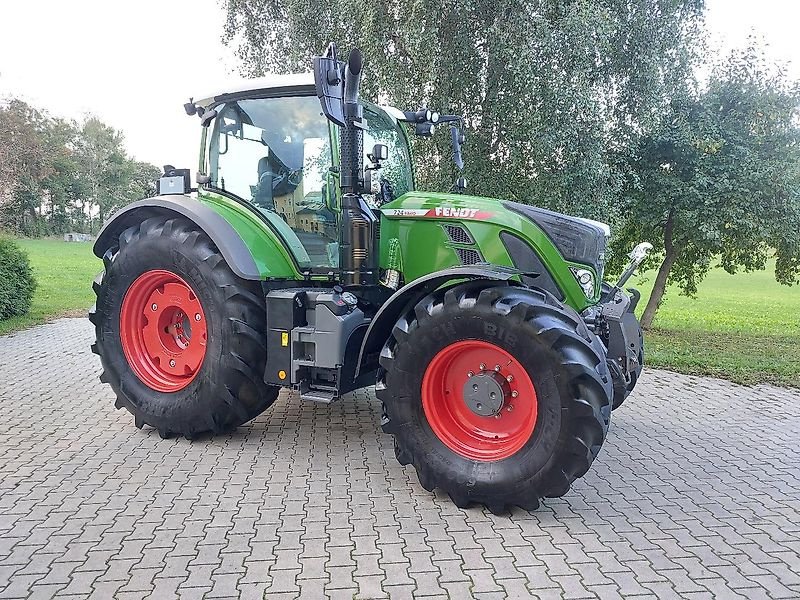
(284, 182)
(284, 179)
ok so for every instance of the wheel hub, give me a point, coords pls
(163, 330)
(479, 400)
(485, 393)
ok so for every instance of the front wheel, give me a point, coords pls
(180, 336)
(497, 395)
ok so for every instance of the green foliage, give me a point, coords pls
(64, 272)
(585, 106)
(58, 176)
(719, 178)
(552, 90)
(17, 283)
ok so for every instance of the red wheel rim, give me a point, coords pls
(163, 331)
(457, 399)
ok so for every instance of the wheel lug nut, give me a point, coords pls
(497, 416)
(510, 408)
(514, 394)
(172, 363)
(497, 367)
(510, 378)
(470, 373)
(483, 367)
(154, 306)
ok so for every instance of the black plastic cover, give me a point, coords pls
(526, 260)
(285, 311)
(577, 240)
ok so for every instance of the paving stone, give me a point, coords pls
(694, 495)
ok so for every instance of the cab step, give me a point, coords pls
(323, 396)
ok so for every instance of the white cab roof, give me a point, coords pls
(269, 82)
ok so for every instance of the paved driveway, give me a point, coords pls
(694, 495)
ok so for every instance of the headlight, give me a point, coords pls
(585, 279)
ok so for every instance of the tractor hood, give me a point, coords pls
(422, 232)
(579, 240)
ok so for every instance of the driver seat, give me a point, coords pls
(263, 196)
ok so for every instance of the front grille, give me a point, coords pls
(458, 235)
(468, 256)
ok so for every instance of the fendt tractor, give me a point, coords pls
(306, 259)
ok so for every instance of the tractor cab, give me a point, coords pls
(271, 147)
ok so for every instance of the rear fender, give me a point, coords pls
(225, 237)
(381, 325)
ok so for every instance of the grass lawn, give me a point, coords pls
(64, 273)
(741, 327)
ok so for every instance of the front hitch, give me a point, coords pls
(637, 256)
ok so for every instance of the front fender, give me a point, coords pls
(388, 314)
(223, 234)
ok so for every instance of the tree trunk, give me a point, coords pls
(660, 285)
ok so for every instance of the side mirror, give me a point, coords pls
(456, 139)
(329, 82)
(379, 152)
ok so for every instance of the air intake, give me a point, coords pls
(468, 256)
(458, 235)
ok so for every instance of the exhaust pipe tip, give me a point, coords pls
(352, 77)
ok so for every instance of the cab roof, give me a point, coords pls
(269, 84)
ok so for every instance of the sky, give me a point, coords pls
(134, 64)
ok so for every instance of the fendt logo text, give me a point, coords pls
(447, 211)
(440, 212)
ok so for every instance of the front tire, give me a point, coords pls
(535, 355)
(179, 335)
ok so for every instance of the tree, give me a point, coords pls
(552, 90)
(23, 165)
(102, 163)
(56, 175)
(719, 179)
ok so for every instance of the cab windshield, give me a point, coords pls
(275, 153)
(382, 129)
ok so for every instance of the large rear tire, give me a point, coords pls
(551, 407)
(180, 336)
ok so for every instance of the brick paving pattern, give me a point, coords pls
(695, 495)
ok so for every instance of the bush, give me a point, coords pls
(16, 280)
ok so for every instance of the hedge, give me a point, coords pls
(16, 280)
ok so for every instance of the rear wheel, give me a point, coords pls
(179, 335)
(495, 394)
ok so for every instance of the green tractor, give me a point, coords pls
(485, 326)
